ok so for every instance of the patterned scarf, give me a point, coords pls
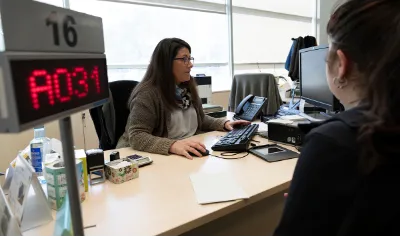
(183, 97)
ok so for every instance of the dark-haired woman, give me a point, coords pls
(347, 178)
(165, 107)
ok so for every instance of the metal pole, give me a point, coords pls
(70, 171)
(229, 14)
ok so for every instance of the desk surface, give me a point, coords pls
(162, 201)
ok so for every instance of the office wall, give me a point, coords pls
(10, 144)
(221, 98)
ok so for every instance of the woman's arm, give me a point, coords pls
(142, 120)
(210, 123)
(317, 197)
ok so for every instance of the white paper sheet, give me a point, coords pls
(216, 187)
(281, 121)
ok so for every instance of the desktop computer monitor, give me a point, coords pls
(314, 88)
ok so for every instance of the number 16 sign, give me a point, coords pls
(49, 28)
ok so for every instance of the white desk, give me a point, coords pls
(162, 201)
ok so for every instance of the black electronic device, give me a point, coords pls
(237, 140)
(95, 166)
(314, 87)
(141, 161)
(114, 155)
(203, 154)
(220, 114)
(202, 79)
(284, 133)
(273, 153)
(94, 159)
(48, 87)
(250, 108)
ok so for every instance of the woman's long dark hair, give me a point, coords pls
(368, 32)
(159, 73)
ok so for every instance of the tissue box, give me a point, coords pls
(57, 183)
(120, 171)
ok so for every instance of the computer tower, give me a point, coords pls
(288, 134)
(204, 88)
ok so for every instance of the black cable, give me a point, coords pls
(230, 154)
(224, 155)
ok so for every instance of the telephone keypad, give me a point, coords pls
(252, 110)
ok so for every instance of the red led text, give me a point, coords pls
(62, 85)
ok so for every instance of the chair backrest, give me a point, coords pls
(258, 84)
(96, 115)
(121, 91)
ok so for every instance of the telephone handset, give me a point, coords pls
(250, 107)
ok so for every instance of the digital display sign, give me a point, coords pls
(47, 87)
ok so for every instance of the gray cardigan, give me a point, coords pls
(146, 129)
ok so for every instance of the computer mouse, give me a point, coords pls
(202, 153)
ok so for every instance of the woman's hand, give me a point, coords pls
(230, 125)
(185, 147)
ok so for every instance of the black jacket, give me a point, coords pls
(294, 66)
(329, 195)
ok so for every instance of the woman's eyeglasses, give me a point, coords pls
(186, 60)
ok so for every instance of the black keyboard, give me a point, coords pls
(237, 140)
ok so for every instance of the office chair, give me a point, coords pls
(120, 91)
(257, 84)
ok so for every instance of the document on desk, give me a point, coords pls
(216, 187)
(281, 121)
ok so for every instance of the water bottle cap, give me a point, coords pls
(38, 132)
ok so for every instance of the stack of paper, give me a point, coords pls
(216, 187)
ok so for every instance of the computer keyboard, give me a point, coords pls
(237, 140)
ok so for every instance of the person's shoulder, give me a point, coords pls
(340, 129)
(145, 92)
(331, 128)
(144, 97)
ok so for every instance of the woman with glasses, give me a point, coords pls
(346, 179)
(165, 107)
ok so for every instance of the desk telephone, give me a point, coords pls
(250, 107)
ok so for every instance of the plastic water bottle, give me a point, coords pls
(39, 148)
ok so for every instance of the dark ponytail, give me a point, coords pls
(368, 32)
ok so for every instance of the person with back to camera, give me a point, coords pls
(165, 107)
(348, 173)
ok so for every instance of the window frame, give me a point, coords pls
(226, 9)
